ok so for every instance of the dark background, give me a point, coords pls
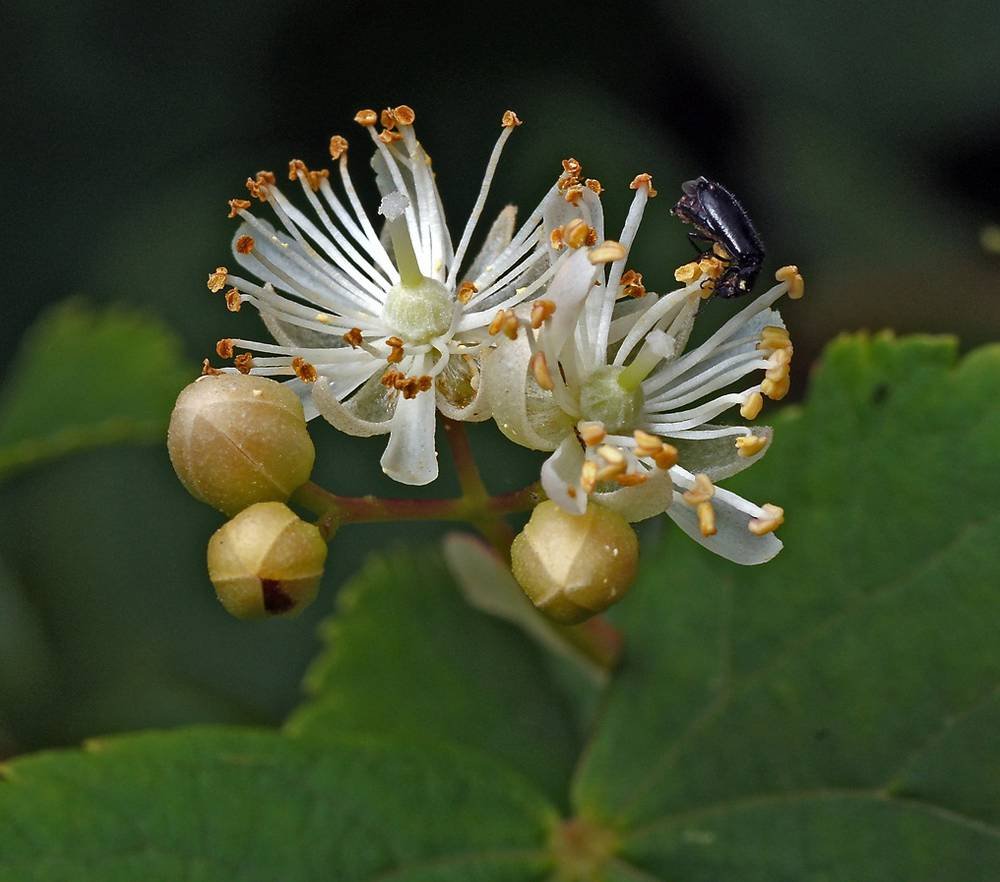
(863, 138)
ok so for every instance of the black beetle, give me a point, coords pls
(719, 219)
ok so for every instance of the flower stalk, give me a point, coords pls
(596, 638)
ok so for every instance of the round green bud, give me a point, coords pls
(237, 439)
(574, 566)
(266, 561)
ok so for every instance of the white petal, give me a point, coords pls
(343, 417)
(460, 390)
(642, 501)
(499, 237)
(718, 457)
(556, 211)
(524, 412)
(561, 476)
(568, 290)
(733, 540)
(410, 457)
(288, 334)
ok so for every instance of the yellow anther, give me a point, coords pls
(611, 471)
(556, 239)
(353, 338)
(224, 348)
(573, 194)
(296, 167)
(366, 118)
(498, 321)
(791, 276)
(666, 457)
(510, 120)
(702, 491)
(690, 272)
(711, 267)
(541, 311)
(233, 300)
(646, 444)
(750, 445)
(244, 362)
(208, 371)
(572, 167)
(396, 352)
(594, 185)
(751, 407)
(465, 292)
(706, 519)
(774, 518)
(773, 337)
(387, 136)
(643, 180)
(387, 118)
(779, 362)
(720, 252)
(510, 325)
(607, 252)
(575, 233)
(323, 318)
(611, 455)
(592, 432)
(404, 115)
(588, 476)
(238, 205)
(632, 479)
(303, 370)
(217, 279)
(338, 146)
(244, 245)
(631, 285)
(540, 368)
(775, 389)
(258, 185)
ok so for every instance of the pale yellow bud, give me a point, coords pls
(237, 439)
(266, 562)
(574, 566)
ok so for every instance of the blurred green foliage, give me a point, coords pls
(861, 138)
(825, 717)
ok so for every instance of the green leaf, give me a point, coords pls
(407, 656)
(829, 716)
(797, 721)
(218, 804)
(84, 378)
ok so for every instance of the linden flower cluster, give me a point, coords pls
(380, 322)
(600, 377)
(379, 330)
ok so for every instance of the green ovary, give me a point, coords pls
(420, 312)
(603, 398)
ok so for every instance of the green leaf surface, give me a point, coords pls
(407, 656)
(228, 804)
(84, 378)
(823, 717)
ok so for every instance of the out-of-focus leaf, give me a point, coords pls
(85, 378)
(815, 718)
(214, 804)
(407, 656)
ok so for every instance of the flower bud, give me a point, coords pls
(266, 562)
(574, 566)
(237, 439)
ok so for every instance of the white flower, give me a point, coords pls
(600, 377)
(377, 330)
